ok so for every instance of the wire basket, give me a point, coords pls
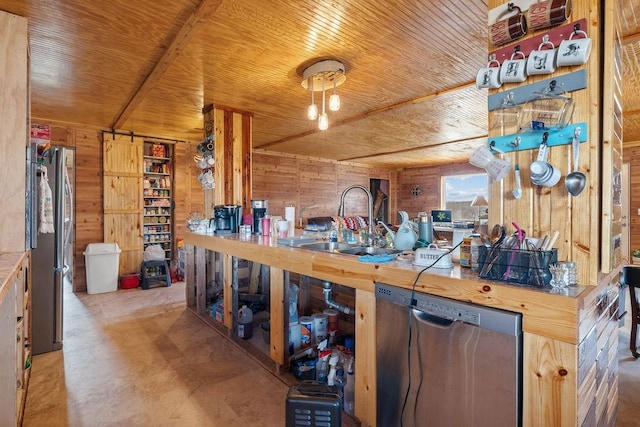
(528, 267)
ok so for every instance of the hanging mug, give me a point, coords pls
(548, 13)
(542, 61)
(506, 30)
(514, 70)
(489, 77)
(574, 51)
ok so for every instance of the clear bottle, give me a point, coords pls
(339, 384)
(349, 389)
(476, 242)
(333, 233)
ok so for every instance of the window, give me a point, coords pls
(458, 191)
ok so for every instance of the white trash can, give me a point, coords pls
(102, 261)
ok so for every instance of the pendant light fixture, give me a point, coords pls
(317, 77)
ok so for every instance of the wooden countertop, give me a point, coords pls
(544, 313)
(9, 261)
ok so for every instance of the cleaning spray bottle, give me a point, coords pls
(333, 361)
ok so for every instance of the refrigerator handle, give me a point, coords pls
(59, 209)
(69, 192)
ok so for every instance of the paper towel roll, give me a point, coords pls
(290, 215)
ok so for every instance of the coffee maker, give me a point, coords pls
(260, 208)
(227, 218)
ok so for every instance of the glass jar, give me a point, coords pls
(465, 252)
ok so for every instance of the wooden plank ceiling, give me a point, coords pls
(149, 66)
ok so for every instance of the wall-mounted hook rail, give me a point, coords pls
(532, 140)
(521, 94)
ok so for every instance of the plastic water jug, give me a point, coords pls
(245, 323)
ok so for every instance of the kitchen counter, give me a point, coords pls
(559, 366)
(547, 314)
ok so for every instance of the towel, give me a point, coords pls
(376, 258)
(46, 204)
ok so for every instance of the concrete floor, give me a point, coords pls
(135, 357)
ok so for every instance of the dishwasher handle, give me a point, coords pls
(437, 321)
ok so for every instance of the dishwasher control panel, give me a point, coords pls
(448, 311)
(487, 317)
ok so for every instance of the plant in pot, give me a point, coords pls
(636, 257)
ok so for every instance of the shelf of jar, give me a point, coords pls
(150, 242)
(156, 214)
(156, 158)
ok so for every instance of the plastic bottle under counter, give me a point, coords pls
(349, 390)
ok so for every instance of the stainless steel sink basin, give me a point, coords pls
(327, 246)
(368, 250)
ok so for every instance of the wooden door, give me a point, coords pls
(122, 163)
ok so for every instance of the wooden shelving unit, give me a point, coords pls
(158, 197)
(15, 349)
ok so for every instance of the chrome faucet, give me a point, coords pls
(370, 205)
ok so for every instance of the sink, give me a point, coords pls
(368, 250)
(327, 246)
(348, 249)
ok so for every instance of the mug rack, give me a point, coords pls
(566, 82)
(556, 35)
(532, 139)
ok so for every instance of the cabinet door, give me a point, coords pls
(122, 201)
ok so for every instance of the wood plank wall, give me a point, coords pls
(89, 224)
(13, 130)
(232, 170)
(632, 156)
(543, 210)
(304, 182)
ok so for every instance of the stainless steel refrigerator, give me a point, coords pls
(52, 253)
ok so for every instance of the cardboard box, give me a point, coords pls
(158, 150)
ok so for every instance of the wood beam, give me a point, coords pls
(631, 38)
(409, 150)
(384, 109)
(198, 18)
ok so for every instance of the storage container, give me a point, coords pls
(102, 262)
(245, 323)
(129, 281)
(433, 256)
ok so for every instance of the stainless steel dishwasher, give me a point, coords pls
(442, 362)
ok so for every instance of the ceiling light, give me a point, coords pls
(315, 78)
(312, 111)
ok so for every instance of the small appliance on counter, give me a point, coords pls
(260, 210)
(227, 218)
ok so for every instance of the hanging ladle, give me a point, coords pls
(575, 181)
(517, 192)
